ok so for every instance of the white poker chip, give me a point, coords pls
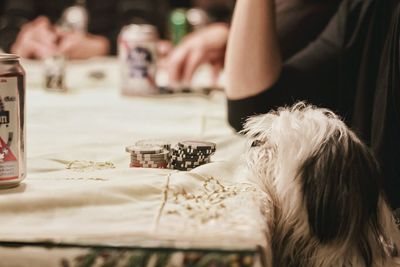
(144, 149)
(157, 142)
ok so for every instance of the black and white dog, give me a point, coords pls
(325, 204)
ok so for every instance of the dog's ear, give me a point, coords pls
(340, 184)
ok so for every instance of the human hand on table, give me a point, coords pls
(37, 39)
(80, 45)
(204, 46)
(40, 39)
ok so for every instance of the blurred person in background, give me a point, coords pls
(207, 12)
(28, 27)
(298, 23)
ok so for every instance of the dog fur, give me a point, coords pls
(325, 202)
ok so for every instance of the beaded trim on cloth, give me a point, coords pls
(206, 204)
(87, 166)
(205, 210)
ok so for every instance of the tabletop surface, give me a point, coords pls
(71, 195)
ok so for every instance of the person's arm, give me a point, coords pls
(79, 45)
(253, 60)
(317, 74)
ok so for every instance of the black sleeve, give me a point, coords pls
(312, 75)
(385, 140)
(300, 22)
(16, 14)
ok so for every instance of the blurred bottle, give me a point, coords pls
(178, 25)
(54, 73)
(183, 21)
(75, 18)
(197, 18)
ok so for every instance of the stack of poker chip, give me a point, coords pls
(149, 154)
(188, 155)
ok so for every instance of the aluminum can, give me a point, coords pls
(137, 52)
(12, 121)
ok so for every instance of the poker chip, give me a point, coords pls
(198, 145)
(147, 165)
(156, 153)
(187, 155)
(190, 160)
(150, 154)
(191, 153)
(151, 142)
(175, 158)
(164, 155)
(144, 149)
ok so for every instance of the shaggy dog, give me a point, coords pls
(325, 202)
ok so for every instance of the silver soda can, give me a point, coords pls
(137, 52)
(12, 121)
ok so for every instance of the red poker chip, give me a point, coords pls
(155, 166)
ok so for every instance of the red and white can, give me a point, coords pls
(12, 121)
(137, 52)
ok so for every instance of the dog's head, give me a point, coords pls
(318, 169)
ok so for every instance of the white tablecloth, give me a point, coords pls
(94, 122)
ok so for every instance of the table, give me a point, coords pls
(71, 211)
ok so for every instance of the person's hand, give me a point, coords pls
(204, 46)
(164, 47)
(37, 39)
(79, 45)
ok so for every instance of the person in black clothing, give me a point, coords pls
(353, 68)
(28, 28)
(298, 23)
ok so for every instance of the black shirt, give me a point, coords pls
(299, 22)
(353, 69)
